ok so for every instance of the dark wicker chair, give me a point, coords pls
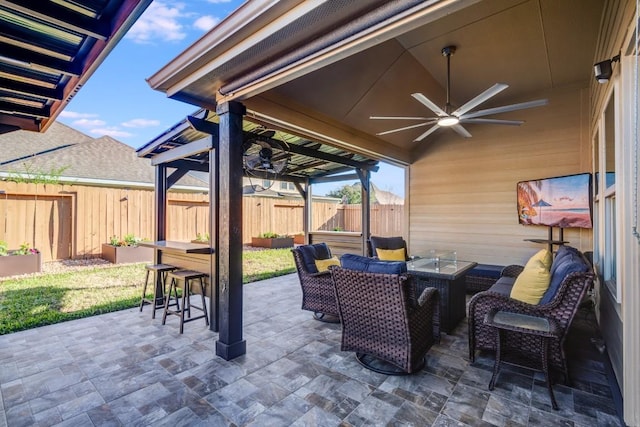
(318, 294)
(382, 320)
(562, 308)
(386, 243)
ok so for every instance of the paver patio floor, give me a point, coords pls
(126, 369)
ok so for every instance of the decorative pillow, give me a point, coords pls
(569, 263)
(544, 256)
(371, 265)
(532, 283)
(391, 254)
(323, 264)
(310, 253)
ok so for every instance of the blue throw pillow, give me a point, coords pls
(371, 265)
(571, 262)
(310, 253)
(562, 252)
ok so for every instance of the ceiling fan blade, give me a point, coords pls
(484, 96)
(427, 133)
(430, 105)
(461, 131)
(405, 128)
(494, 121)
(506, 108)
(398, 118)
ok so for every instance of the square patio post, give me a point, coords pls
(228, 229)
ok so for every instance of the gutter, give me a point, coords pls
(96, 182)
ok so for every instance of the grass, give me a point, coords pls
(30, 302)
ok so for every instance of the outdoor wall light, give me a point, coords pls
(603, 69)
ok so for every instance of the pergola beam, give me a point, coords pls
(39, 60)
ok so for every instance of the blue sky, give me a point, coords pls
(117, 100)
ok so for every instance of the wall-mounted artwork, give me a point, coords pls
(563, 201)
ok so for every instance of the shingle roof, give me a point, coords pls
(80, 155)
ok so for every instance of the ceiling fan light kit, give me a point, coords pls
(454, 119)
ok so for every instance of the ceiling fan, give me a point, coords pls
(454, 119)
(265, 158)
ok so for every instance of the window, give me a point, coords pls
(604, 155)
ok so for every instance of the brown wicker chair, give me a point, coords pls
(382, 320)
(562, 308)
(375, 242)
(318, 295)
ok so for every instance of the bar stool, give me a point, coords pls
(187, 276)
(157, 301)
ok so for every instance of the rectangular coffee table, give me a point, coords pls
(448, 278)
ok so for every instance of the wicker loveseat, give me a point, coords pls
(572, 274)
(383, 321)
(318, 295)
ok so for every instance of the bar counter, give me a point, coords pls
(187, 256)
(179, 247)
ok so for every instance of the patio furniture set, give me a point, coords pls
(392, 311)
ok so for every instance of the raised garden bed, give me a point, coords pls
(272, 242)
(13, 265)
(126, 254)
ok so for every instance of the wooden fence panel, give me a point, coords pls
(386, 220)
(74, 221)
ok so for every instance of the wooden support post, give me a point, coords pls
(308, 209)
(160, 215)
(228, 231)
(214, 289)
(365, 180)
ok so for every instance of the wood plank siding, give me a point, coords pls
(463, 191)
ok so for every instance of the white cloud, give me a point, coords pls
(89, 122)
(113, 132)
(206, 22)
(75, 115)
(141, 123)
(160, 22)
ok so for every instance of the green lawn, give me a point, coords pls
(45, 299)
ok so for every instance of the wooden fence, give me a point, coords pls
(73, 221)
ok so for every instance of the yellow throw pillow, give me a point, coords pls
(323, 264)
(391, 254)
(532, 283)
(544, 256)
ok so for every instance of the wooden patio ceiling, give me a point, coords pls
(49, 48)
(185, 146)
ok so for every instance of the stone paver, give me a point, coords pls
(126, 369)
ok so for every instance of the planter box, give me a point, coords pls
(272, 243)
(14, 265)
(298, 239)
(126, 254)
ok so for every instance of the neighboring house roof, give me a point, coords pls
(17, 146)
(383, 197)
(101, 160)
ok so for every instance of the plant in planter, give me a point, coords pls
(25, 260)
(126, 250)
(201, 238)
(272, 241)
(298, 238)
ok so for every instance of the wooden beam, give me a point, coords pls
(336, 178)
(30, 89)
(365, 180)
(191, 165)
(175, 177)
(35, 59)
(11, 108)
(10, 120)
(59, 15)
(184, 151)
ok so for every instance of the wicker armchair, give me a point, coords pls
(318, 295)
(562, 308)
(382, 320)
(375, 242)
